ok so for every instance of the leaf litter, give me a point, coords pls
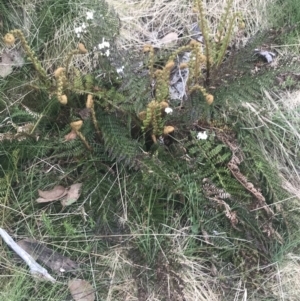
(50, 258)
(72, 195)
(51, 195)
(81, 290)
(67, 196)
(9, 59)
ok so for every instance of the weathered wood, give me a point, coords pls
(35, 269)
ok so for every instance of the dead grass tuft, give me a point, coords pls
(148, 21)
(286, 280)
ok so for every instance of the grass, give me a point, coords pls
(136, 245)
(149, 21)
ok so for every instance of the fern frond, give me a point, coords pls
(117, 139)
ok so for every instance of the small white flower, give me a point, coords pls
(202, 136)
(78, 30)
(103, 44)
(89, 15)
(169, 110)
(120, 70)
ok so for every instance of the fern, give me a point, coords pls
(211, 158)
(117, 139)
(4, 187)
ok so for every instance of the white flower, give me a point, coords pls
(107, 52)
(78, 30)
(120, 70)
(103, 44)
(89, 15)
(202, 136)
(169, 110)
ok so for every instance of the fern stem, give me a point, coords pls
(204, 28)
(80, 135)
(224, 18)
(30, 53)
(225, 43)
(95, 122)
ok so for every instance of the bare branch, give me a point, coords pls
(35, 269)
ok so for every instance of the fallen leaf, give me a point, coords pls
(71, 136)
(51, 195)
(170, 38)
(72, 195)
(53, 260)
(81, 290)
(10, 59)
(5, 65)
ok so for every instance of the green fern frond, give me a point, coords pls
(117, 139)
(4, 186)
(212, 158)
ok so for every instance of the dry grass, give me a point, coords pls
(147, 21)
(285, 281)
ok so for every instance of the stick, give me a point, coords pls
(35, 269)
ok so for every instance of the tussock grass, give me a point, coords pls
(148, 21)
(278, 115)
(287, 277)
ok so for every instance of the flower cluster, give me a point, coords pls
(169, 110)
(90, 15)
(82, 28)
(103, 45)
(202, 135)
(120, 70)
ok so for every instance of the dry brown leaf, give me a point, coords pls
(5, 65)
(71, 136)
(81, 290)
(50, 258)
(8, 60)
(23, 243)
(170, 38)
(72, 195)
(52, 195)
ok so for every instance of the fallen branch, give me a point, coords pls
(35, 269)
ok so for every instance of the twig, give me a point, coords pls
(35, 269)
